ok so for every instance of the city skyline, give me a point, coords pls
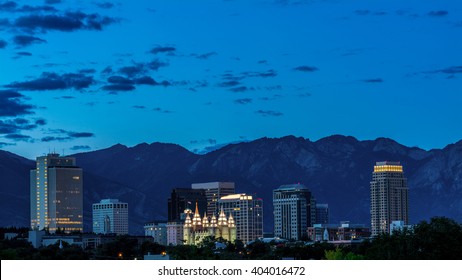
(85, 76)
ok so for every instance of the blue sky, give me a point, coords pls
(84, 75)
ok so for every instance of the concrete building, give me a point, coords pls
(158, 231)
(213, 192)
(175, 233)
(247, 212)
(110, 216)
(185, 198)
(389, 196)
(56, 194)
(294, 211)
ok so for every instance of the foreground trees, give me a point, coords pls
(438, 239)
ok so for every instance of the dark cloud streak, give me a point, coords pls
(11, 104)
(54, 81)
(26, 40)
(305, 68)
(269, 113)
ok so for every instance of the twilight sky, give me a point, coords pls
(84, 75)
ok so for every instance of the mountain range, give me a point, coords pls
(337, 169)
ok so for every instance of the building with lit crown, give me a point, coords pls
(110, 216)
(247, 212)
(197, 228)
(389, 196)
(294, 211)
(56, 194)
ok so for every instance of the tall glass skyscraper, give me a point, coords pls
(56, 194)
(389, 196)
(294, 211)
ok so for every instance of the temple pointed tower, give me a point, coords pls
(222, 221)
(187, 230)
(196, 229)
(197, 221)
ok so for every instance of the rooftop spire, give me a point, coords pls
(222, 221)
(196, 221)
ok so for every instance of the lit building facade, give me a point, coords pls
(389, 196)
(56, 194)
(213, 192)
(175, 233)
(294, 211)
(185, 198)
(110, 216)
(158, 231)
(197, 228)
(247, 212)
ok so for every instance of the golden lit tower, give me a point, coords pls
(389, 196)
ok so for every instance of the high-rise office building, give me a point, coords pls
(213, 192)
(110, 216)
(247, 212)
(322, 213)
(389, 196)
(56, 194)
(185, 198)
(294, 211)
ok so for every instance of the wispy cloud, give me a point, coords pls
(205, 55)
(17, 125)
(26, 40)
(67, 22)
(306, 68)
(239, 89)
(243, 101)
(269, 113)
(80, 148)
(440, 13)
(163, 49)
(54, 81)
(18, 137)
(12, 104)
(375, 80)
(64, 135)
(105, 5)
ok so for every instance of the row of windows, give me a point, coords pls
(110, 206)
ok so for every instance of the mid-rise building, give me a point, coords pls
(338, 232)
(213, 192)
(175, 233)
(185, 198)
(110, 216)
(56, 194)
(158, 231)
(294, 211)
(247, 212)
(322, 213)
(389, 196)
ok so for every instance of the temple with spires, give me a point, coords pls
(198, 228)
